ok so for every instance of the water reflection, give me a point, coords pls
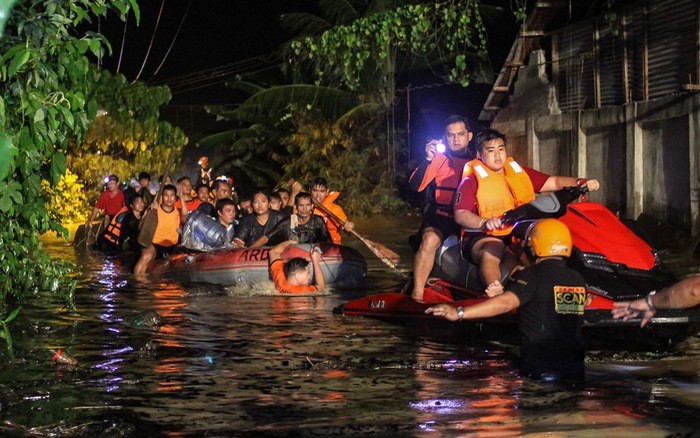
(245, 362)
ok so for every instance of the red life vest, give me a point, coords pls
(446, 170)
(114, 229)
(499, 192)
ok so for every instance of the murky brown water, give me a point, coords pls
(233, 362)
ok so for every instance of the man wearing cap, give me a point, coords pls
(111, 201)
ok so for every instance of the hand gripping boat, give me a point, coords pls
(343, 267)
(616, 263)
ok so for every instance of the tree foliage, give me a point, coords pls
(350, 156)
(46, 103)
(354, 53)
(67, 199)
(128, 137)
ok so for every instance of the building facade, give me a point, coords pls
(615, 99)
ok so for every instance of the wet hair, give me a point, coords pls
(133, 198)
(221, 203)
(320, 181)
(144, 175)
(184, 178)
(302, 195)
(486, 136)
(294, 265)
(217, 183)
(170, 187)
(261, 192)
(455, 118)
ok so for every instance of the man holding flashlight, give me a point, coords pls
(439, 175)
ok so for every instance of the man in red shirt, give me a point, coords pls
(493, 184)
(185, 202)
(111, 201)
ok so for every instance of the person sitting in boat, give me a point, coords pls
(203, 233)
(275, 202)
(254, 226)
(438, 175)
(166, 231)
(681, 295)
(185, 202)
(220, 189)
(203, 194)
(294, 276)
(245, 207)
(301, 227)
(111, 200)
(550, 298)
(123, 231)
(144, 191)
(493, 184)
(321, 195)
(286, 208)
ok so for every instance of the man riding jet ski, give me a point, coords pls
(492, 184)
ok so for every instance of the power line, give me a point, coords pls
(172, 43)
(150, 45)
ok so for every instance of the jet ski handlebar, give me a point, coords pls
(545, 205)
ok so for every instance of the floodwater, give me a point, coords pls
(242, 362)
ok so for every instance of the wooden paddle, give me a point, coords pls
(387, 256)
(149, 221)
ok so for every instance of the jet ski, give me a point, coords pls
(618, 265)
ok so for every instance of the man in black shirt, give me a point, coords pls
(550, 298)
(302, 227)
(254, 226)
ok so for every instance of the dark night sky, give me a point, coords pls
(214, 33)
(231, 34)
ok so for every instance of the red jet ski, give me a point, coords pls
(616, 263)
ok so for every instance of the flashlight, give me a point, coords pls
(106, 179)
(440, 147)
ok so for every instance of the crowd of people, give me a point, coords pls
(153, 220)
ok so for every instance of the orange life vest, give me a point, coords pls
(498, 192)
(168, 223)
(331, 224)
(446, 170)
(114, 229)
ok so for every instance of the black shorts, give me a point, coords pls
(162, 252)
(445, 224)
(470, 240)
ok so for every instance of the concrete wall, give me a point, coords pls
(646, 154)
(667, 170)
